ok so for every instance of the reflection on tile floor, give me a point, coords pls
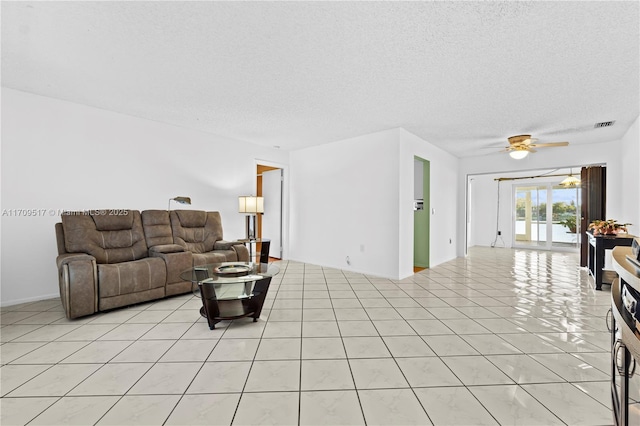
(501, 337)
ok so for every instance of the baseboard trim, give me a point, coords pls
(6, 303)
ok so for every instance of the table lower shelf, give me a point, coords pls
(216, 310)
(230, 310)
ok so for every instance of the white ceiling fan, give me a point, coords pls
(521, 145)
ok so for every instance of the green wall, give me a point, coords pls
(421, 222)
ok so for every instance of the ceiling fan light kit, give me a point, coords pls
(518, 154)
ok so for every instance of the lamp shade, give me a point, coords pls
(182, 200)
(570, 181)
(250, 204)
(518, 154)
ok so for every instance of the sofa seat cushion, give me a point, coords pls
(131, 277)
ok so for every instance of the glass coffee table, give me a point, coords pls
(231, 290)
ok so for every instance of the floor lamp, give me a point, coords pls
(251, 206)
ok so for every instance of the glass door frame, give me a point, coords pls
(548, 246)
(532, 185)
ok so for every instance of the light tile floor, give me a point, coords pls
(500, 337)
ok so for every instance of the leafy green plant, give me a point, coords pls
(608, 227)
(570, 222)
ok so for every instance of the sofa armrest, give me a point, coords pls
(78, 281)
(242, 253)
(73, 257)
(226, 245)
(165, 248)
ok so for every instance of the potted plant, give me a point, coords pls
(570, 223)
(608, 227)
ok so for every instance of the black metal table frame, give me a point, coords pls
(256, 278)
(213, 309)
(597, 246)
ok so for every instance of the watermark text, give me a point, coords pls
(62, 212)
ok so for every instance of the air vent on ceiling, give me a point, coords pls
(604, 124)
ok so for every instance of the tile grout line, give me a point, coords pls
(242, 392)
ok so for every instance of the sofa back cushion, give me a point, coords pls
(196, 230)
(157, 227)
(111, 236)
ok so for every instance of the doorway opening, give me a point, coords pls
(527, 209)
(270, 186)
(421, 213)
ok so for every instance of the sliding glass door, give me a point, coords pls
(566, 222)
(530, 216)
(545, 216)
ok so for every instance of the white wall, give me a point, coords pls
(344, 202)
(355, 198)
(442, 199)
(630, 154)
(58, 155)
(484, 201)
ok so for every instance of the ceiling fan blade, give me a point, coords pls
(531, 150)
(541, 145)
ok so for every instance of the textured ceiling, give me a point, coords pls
(461, 75)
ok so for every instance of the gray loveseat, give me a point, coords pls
(113, 258)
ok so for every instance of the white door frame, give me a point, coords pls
(548, 222)
(285, 199)
(272, 217)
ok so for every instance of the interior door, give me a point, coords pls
(272, 217)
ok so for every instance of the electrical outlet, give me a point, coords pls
(499, 232)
